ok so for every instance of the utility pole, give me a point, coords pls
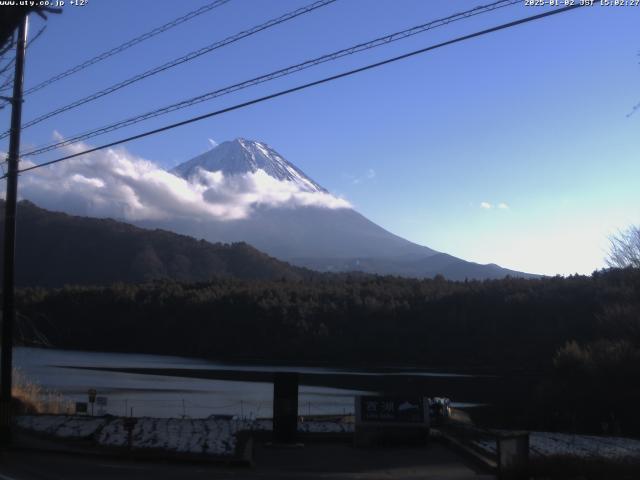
(8, 292)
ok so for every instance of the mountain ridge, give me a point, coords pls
(54, 249)
(324, 239)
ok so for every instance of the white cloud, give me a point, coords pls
(114, 183)
(485, 205)
(212, 142)
(370, 174)
(503, 206)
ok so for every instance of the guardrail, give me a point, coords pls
(505, 452)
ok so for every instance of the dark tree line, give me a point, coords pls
(510, 323)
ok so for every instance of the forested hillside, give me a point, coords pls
(54, 249)
(511, 323)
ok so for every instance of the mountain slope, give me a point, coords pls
(287, 233)
(443, 264)
(324, 239)
(54, 249)
(293, 233)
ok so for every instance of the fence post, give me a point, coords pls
(513, 455)
(285, 407)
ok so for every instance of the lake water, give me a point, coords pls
(169, 396)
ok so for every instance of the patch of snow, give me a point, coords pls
(548, 444)
(242, 156)
(308, 426)
(62, 426)
(183, 435)
(114, 434)
(315, 426)
(263, 150)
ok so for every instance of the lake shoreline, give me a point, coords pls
(382, 367)
(174, 386)
(465, 389)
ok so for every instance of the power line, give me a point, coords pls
(8, 67)
(274, 75)
(309, 85)
(10, 43)
(178, 61)
(120, 48)
(8, 84)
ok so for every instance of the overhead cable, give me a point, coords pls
(349, 73)
(175, 62)
(273, 75)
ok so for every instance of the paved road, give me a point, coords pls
(318, 461)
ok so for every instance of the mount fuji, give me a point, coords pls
(243, 156)
(310, 235)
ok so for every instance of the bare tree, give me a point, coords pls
(625, 249)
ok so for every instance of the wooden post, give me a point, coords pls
(8, 290)
(285, 407)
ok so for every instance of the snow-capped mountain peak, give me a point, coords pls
(240, 156)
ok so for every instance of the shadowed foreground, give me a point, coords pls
(335, 461)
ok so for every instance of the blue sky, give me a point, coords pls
(534, 117)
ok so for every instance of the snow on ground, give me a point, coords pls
(204, 436)
(201, 436)
(308, 426)
(547, 444)
(315, 426)
(182, 435)
(63, 426)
